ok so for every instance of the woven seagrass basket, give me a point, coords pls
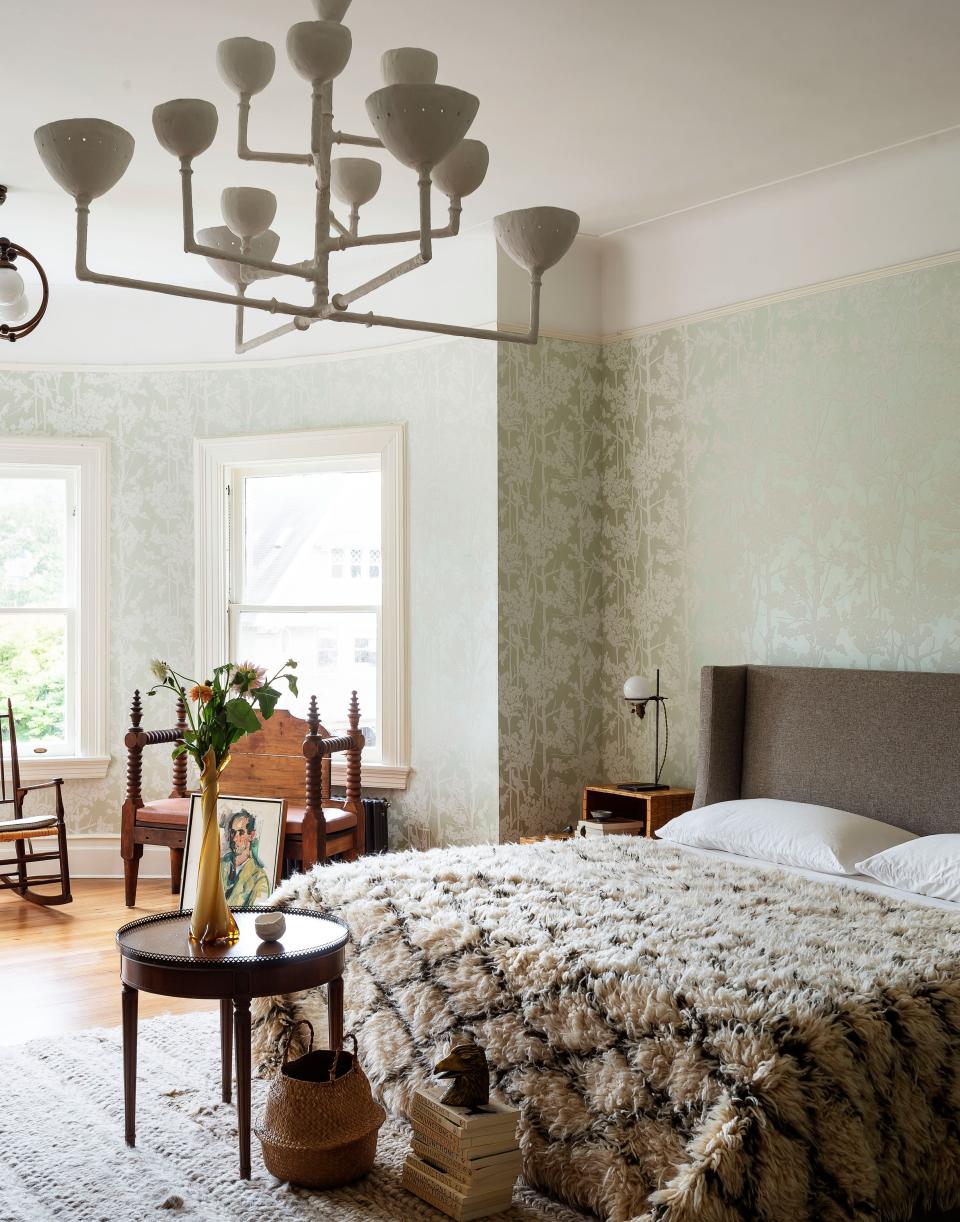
(319, 1128)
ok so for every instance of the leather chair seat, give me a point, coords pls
(173, 812)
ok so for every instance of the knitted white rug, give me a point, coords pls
(64, 1158)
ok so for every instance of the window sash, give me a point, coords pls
(219, 461)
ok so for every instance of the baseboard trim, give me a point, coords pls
(98, 856)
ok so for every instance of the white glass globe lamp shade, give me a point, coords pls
(246, 64)
(319, 50)
(11, 286)
(409, 66)
(15, 311)
(85, 156)
(185, 127)
(248, 211)
(536, 238)
(421, 124)
(638, 687)
(463, 170)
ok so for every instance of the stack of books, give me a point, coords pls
(462, 1161)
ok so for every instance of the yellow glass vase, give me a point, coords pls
(212, 922)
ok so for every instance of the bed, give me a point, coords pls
(691, 1037)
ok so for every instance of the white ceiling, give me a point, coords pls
(625, 110)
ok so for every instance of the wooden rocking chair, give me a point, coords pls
(21, 831)
(288, 758)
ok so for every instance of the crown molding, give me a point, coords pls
(806, 290)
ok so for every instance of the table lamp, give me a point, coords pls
(638, 691)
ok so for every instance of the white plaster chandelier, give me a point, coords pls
(422, 124)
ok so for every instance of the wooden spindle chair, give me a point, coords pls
(288, 758)
(21, 830)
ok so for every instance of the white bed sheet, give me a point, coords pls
(859, 881)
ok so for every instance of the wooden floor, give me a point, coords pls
(59, 968)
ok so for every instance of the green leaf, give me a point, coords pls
(267, 700)
(292, 681)
(241, 715)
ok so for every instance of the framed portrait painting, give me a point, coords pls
(251, 847)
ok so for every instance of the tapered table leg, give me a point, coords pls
(226, 1048)
(241, 1015)
(335, 1012)
(130, 997)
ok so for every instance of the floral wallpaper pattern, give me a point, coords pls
(781, 486)
(778, 485)
(550, 582)
(446, 394)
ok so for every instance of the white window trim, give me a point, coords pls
(214, 458)
(91, 457)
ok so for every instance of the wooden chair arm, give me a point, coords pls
(58, 781)
(136, 739)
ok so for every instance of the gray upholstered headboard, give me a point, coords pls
(881, 743)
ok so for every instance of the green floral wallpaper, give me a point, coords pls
(446, 395)
(550, 581)
(781, 486)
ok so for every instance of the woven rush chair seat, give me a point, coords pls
(18, 873)
(27, 829)
(173, 812)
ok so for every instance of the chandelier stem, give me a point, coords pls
(245, 153)
(83, 272)
(321, 144)
(450, 230)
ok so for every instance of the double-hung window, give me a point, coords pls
(53, 643)
(301, 555)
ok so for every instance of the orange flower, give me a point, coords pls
(201, 692)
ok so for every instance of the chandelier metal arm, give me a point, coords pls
(342, 300)
(438, 328)
(368, 142)
(321, 129)
(242, 346)
(83, 272)
(245, 153)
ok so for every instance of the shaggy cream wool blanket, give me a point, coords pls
(687, 1040)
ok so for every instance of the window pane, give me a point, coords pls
(33, 666)
(330, 661)
(306, 537)
(33, 520)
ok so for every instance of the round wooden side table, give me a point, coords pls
(156, 955)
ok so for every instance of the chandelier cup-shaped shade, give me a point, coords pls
(84, 156)
(355, 180)
(11, 286)
(246, 64)
(185, 127)
(319, 50)
(421, 124)
(409, 66)
(220, 237)
(331, 10)
(536, 238)
(463, 170)
(248, 211)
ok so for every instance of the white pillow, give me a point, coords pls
(927, 865)
(788, 833)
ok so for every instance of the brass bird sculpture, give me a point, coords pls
(466, 1064)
